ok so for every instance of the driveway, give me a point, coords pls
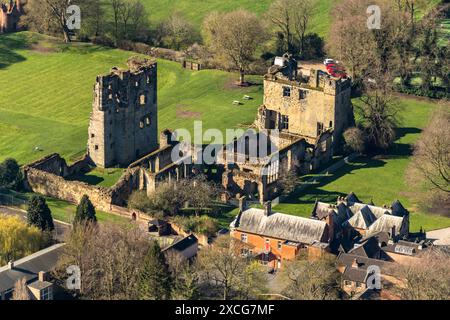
(442, 236)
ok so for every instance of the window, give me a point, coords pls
(147, 121)
(141, 124)
(110, 96)
(47, 294)
(284, 122)
(279, 245)
(358, 284)
(286, 92)
(319, 128)
(244, 237)
(347, 283)
(302, 94)
(142, 100)
(96, 147)
(323, 146)
(92, 135)
(331, 124)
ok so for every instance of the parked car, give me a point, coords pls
(327, 61)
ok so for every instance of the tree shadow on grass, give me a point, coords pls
(314, 192)
(89, 179)
(7, 54)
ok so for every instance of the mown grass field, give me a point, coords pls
(46, 95)
(196, 10)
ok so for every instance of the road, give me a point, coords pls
(442, 236)
(62, 229)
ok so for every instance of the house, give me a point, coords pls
(186, 248)
(351, 219)
(273, 237)
(34, 269)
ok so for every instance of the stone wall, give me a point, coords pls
(10, 14)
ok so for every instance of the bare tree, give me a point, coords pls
(234, 37)
(292, 18)
(177, 32)
(226, 272)
(379, 113)
(49, 16)
(354, 139)
(431, 161)
(311, 279)
(109, 257)
(424, 278)
(21, 290)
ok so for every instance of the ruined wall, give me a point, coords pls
(123, 124)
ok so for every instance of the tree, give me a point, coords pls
(185, 277)
(430, 166)
(354, 139)
(85, 211)
(10, 174)
(17, 239)
(292, 19)
(226, 274)
(39, 214)
(155, 282)
(49, 16)
(177, 32)
(129, 18)
(109, 258)
(311, 280)
(426, 278)
(288, 181)
(379, 113)
(21, 290)
(198, 192)
(234, 37)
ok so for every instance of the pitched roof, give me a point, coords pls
(322, 210)
(398, 209)
(362, 219)
(184, 243)
(386, 223)
(369, 248)
(351, 198)
(281, 226)
(30, 266)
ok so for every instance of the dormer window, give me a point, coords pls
(286, 91)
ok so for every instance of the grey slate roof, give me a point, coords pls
(386, 223)
(30, 266)
(183, 243)
(281, 226)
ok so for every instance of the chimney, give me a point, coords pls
(393, 232)
(355, 264)
(268, 208)
(242, 204)
(41, 276)
(11, 265)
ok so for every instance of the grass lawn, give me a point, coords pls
(46, 95)
(101, 177)
(379, 179)
(196, 10)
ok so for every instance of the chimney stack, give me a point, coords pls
(11, 265)
(268, 208)
(242, 204)
(42, 276)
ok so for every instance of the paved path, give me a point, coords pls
(442, 236)
(62, 229)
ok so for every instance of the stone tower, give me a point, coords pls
(123, 124)
(305, 105)
(10, 15)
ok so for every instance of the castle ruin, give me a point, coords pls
(124, 124)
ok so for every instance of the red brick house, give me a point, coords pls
(273, 237)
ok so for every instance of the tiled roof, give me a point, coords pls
(281, 226)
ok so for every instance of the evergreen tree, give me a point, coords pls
(10, 174)
(85, 211)
(39, 214)
(155, 282)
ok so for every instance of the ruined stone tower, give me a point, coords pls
(123, 124)
(10, 15)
